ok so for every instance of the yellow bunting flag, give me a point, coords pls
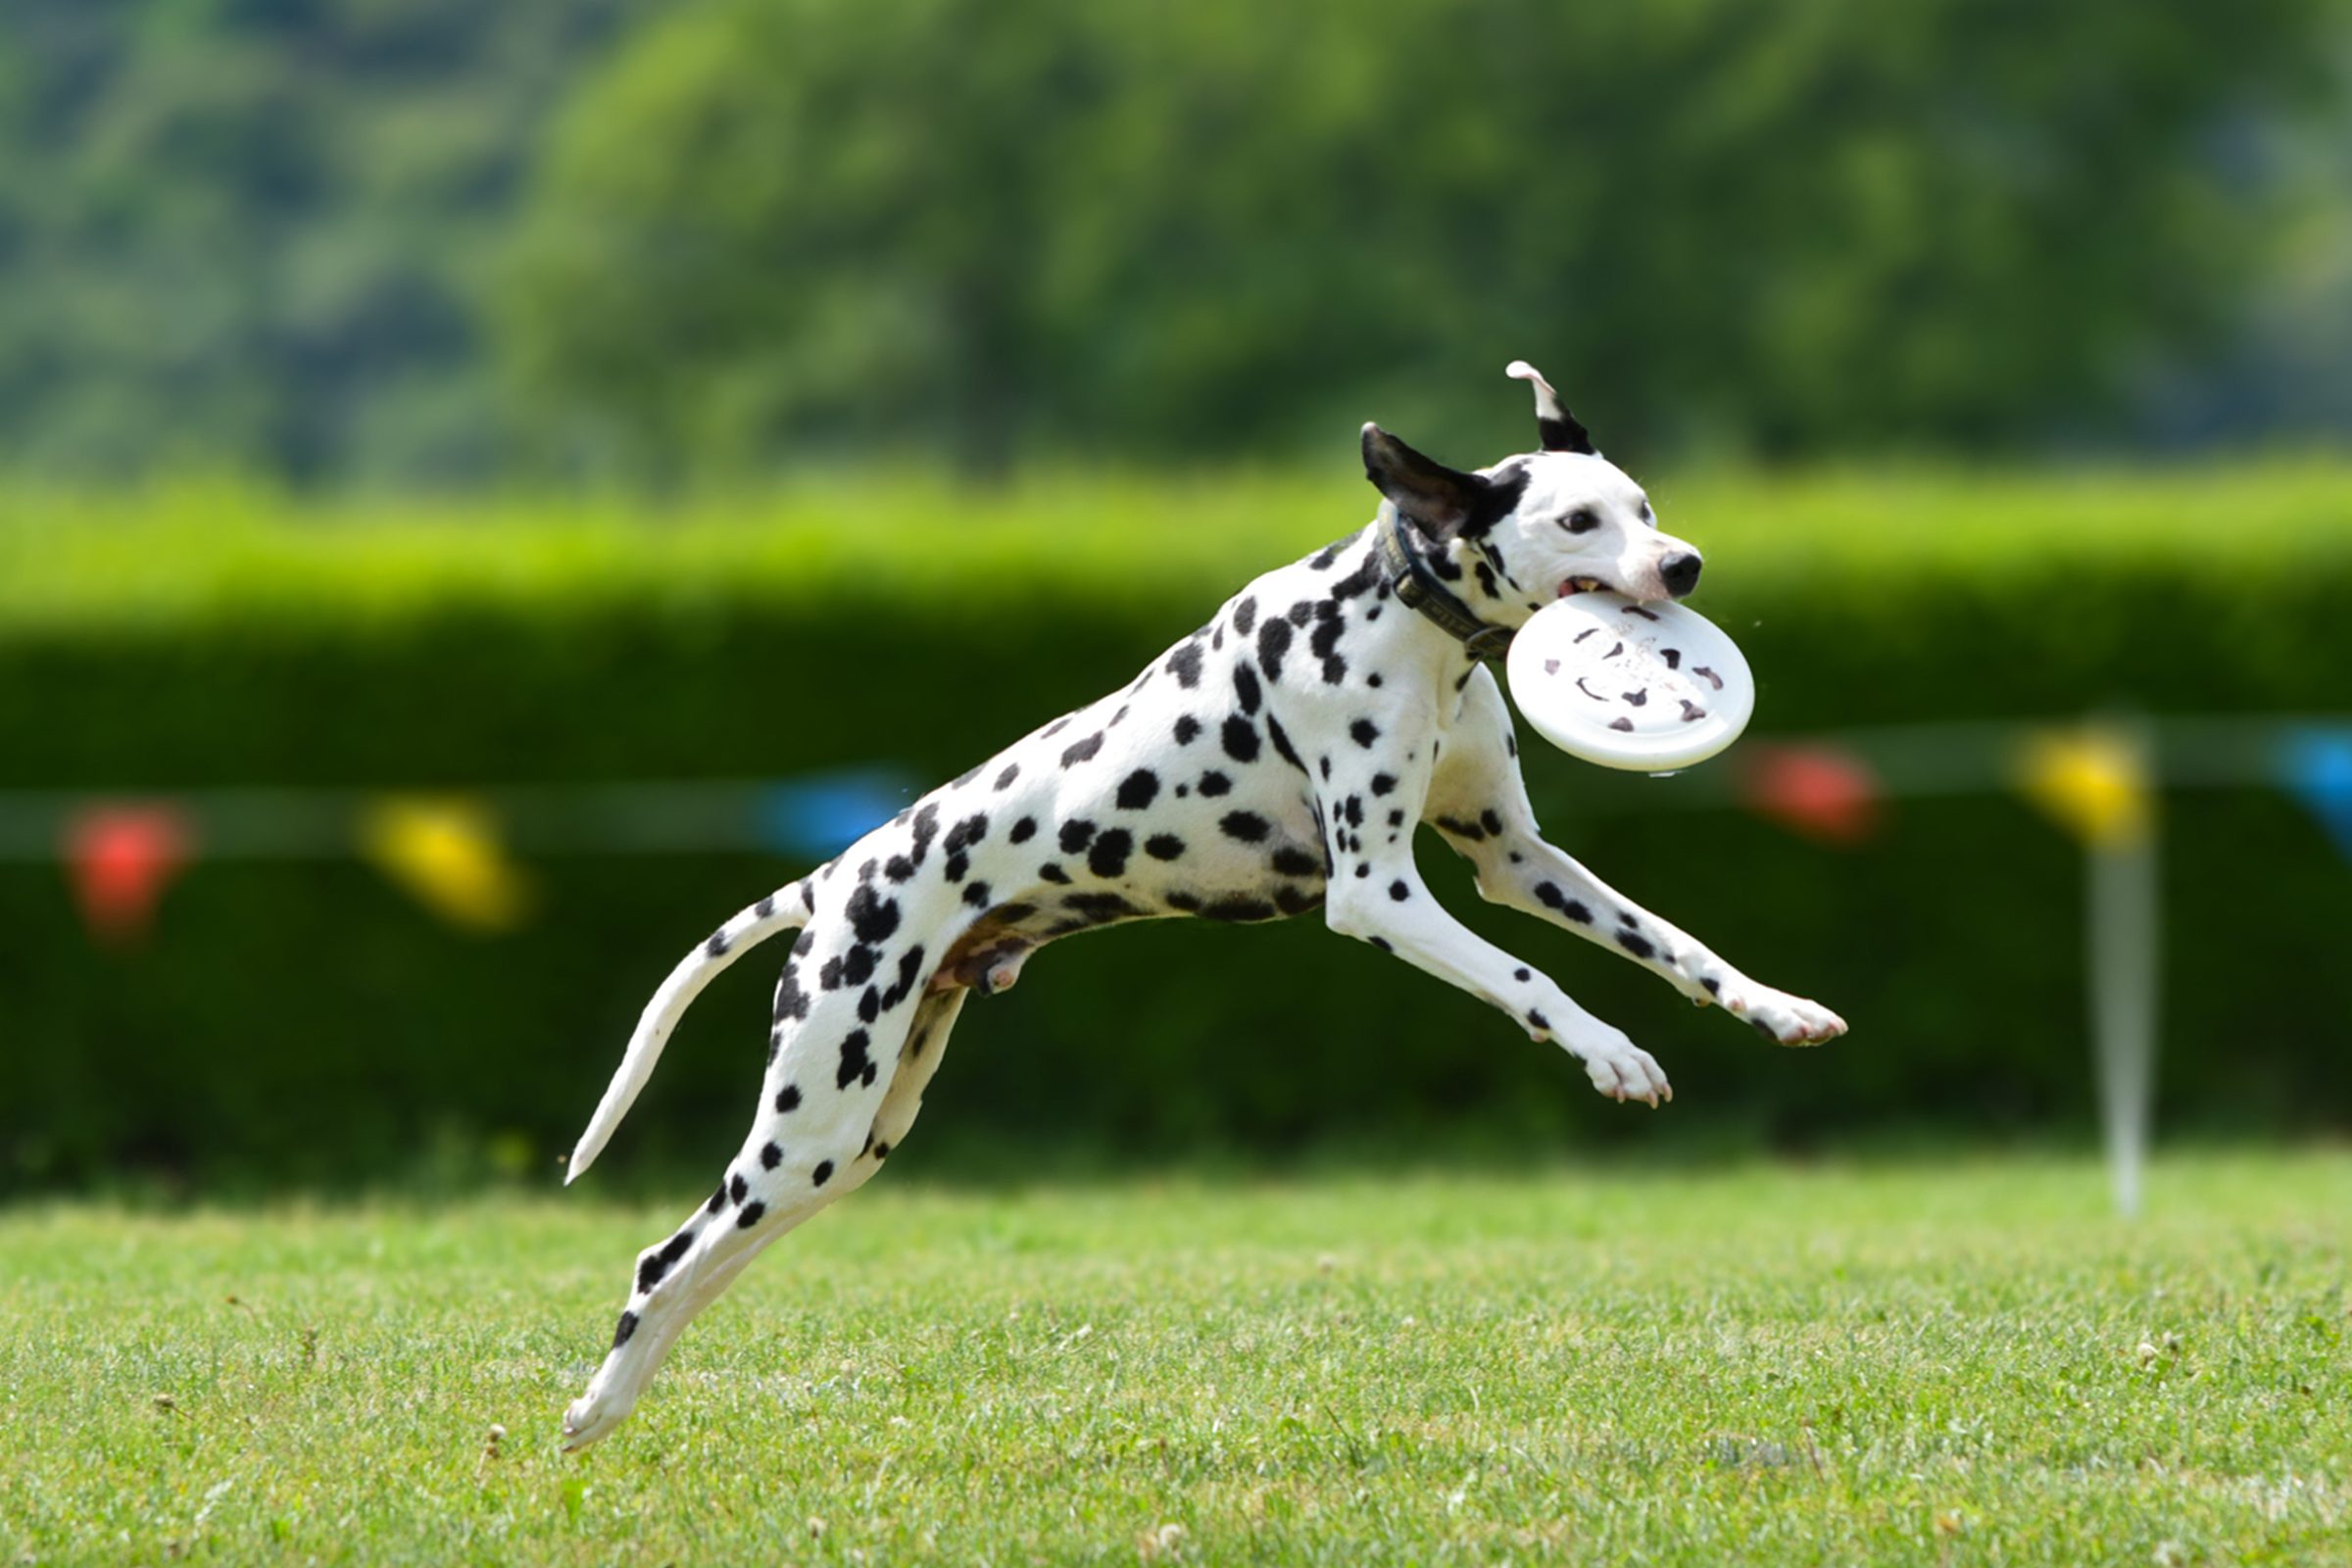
(447, 852)
(2092, 781)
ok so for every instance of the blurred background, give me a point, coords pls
(487, 491)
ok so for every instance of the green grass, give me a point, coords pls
(190, 552)
(1965, 1364)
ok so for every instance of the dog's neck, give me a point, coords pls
(1452, 585)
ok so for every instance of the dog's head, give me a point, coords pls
(1537, 527)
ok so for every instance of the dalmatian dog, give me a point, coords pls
(1274, 761)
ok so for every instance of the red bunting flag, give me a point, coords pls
(1824, 792)
(121, 858)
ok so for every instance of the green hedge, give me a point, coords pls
(308, 1021)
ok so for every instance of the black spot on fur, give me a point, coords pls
(822, 1174)
(1022, 830)
(1290, 860)
(1187, 729)
(1247, 826)
(1109, 856)
(1101, 907)
(1362, 580)
(1490, 821)
(857, 965)
(1238, 908)
(1382, 943)
(1076, 834)
(737, 1187)
(1138, 790)
(1245, 616)
(1521, 974)
(1012, 770)
(804, 943)
(649, 1271)
(1240, 736)
(1714, 987)
(1638, 946)
(910, 974)
(1082, 751)
(1399, 891)
(872, 917)
(1364, 731)
(869, 1006)
(965, 834)
(1539, 1020)
(1246, 689)
(1213, 783)
(717, 947)
(1054, 874)
(1273, 641)
(976, 894)
(1382, 783)
(856, 1066)
(1188, 903)
(791, 1000)
(623, 1329)
(752, 1214)
(788, 1099)
(1164, 846)
(1185, 664)
(770, 1156)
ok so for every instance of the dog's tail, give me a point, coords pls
(747, 930)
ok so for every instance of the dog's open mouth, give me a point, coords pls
(1581, 585)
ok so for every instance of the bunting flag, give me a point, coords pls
(1823, 793)
(826, 814)
(2316, 765)
(2092, 781)
(447, 852)
(120, 860)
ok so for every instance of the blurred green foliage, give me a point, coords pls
(255, 233)
(307, 1019)
(982, 227)
(317, 237)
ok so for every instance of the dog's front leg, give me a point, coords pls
(1478, 802)
(1380, 898)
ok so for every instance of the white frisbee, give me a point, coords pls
(1649, 687)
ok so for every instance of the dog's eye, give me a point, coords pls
(1583, 519)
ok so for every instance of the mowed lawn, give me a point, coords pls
(1919, 1363)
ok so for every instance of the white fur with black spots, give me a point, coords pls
(1274, 761)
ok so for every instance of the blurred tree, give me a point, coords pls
(253, 233)
(984, 226)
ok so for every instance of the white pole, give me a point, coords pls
(2123, 953)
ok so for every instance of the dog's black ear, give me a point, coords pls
(1443, 500)
(1554, 425)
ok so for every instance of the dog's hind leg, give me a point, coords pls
(926, 1042)
(833, 1079)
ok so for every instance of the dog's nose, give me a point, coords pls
(1679, 572)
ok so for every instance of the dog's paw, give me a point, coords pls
(1778, 1017)
(1621, 1069)
(590, 1419)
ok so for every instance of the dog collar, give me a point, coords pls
(1414, 583)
